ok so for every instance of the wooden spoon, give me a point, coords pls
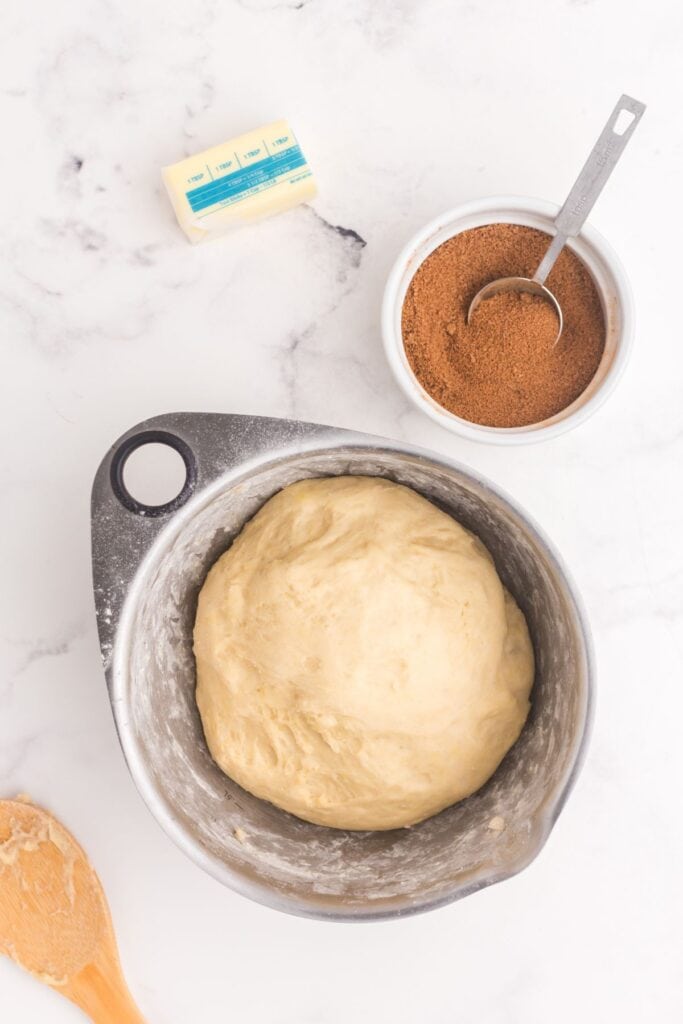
(54, 918)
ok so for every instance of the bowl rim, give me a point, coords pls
(244, 882)
(505, 436)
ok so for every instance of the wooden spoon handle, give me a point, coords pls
(103, 996)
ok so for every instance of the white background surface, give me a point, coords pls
(108, 316)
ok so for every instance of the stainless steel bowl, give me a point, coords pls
(148, 566)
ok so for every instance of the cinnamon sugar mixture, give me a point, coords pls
(503, 369)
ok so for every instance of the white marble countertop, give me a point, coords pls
(108, 316)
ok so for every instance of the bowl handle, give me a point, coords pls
(212, 445)
(126, 448)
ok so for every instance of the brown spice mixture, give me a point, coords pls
(503, 369)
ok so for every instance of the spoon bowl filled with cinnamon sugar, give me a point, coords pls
(504, 378)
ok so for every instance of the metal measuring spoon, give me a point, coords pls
(577, 206)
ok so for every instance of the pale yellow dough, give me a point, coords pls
(359, 662)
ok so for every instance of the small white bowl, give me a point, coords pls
(598, 256)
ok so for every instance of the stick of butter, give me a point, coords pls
(253, 176)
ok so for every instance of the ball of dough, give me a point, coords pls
(359, 662)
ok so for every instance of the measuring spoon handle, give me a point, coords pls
(592, 179)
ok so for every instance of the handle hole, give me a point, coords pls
(625, 119)
(153, 473)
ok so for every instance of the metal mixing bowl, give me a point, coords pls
(148, 566)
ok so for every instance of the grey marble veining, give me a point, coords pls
(108, 317)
